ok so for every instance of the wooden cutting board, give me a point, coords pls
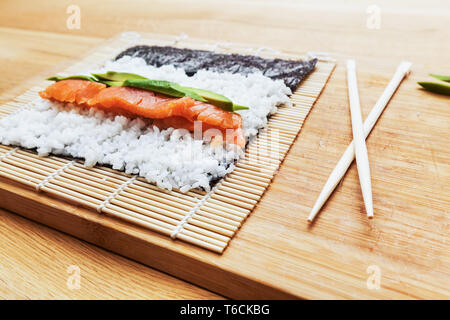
(277, 254)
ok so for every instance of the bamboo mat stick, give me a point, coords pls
(349, 154)
(362, 159)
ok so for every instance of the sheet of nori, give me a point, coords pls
(292, 72)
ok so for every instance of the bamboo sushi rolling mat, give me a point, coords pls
(205, 219)
(276, 253)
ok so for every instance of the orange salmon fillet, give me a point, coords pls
(133, 101)
(73, 91)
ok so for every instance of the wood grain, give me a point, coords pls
(34, 258)
(35, 261)
(409, 238)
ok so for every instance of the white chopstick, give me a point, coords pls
(349, 154)
(362, 159)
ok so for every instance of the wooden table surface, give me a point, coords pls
(408, 149)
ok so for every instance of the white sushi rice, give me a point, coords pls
(170, 158)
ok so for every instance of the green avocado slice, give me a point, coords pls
(117, 76)
(213, 98)
(76, 77)
(217, 99)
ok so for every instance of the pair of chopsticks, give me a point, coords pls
(360, 133)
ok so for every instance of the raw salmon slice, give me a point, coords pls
(155, 106)
(140, 102)
(73, 91)
(172, 112)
